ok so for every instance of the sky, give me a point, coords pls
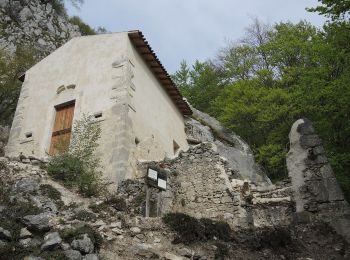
(190, 29)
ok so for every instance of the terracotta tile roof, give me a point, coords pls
(146, 52)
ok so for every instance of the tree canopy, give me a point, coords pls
(259, 85)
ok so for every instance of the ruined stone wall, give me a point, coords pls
(317, 193)
(201, 184)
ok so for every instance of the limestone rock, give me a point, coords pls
(40, 222)
(229, 145)
(26, 185)
(51, 240)
(25, 233)
(171, 256)
(83, 244)
(91, 257)
(21, 21)
(73, 254)
(116, 225)
(135, 230)
(27, 242)
(5, 234)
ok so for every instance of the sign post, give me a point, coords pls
(157, 179)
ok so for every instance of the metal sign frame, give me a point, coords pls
(157, 178)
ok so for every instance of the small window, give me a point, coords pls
(29, 135)
(98, 115)
(176, 147)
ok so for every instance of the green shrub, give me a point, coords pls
(3, 166)
(191, 230)
(84, 215)
(65, 167)
(222, 251)
(117, 202)
(52, 193)
(14, 251)
(69, 234)
(84, 28)
(80, 167)
(54, 255)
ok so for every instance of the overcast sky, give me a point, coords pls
(190, 29)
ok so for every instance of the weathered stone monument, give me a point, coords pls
(316, 191)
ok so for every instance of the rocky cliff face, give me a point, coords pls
(34, 23)
(240, 158)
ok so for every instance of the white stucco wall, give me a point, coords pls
(104, 69)
(85, 62)
(157, 122)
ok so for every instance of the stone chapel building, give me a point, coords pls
(119, 80)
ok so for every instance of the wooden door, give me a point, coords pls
(62, 129)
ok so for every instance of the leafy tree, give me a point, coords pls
(182, 79)
(11, 66)
(84, 28)
(335, 9)
(260, 85)
(198, 84)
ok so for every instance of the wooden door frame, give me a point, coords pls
(55, 108)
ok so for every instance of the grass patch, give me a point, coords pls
(54, 255)
(14, 251)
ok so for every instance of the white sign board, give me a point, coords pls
(152, 174)
(162, 184)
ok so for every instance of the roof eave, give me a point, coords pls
(151, 59)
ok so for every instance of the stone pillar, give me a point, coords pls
(316, 191)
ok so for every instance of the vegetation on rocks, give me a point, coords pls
(274, 75)
(84, 28)
(52, 193)
(10, 68)
(70, 234)
(80, 167)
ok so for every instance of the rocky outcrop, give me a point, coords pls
(204, 128)
(34, 23)
(317, 193)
